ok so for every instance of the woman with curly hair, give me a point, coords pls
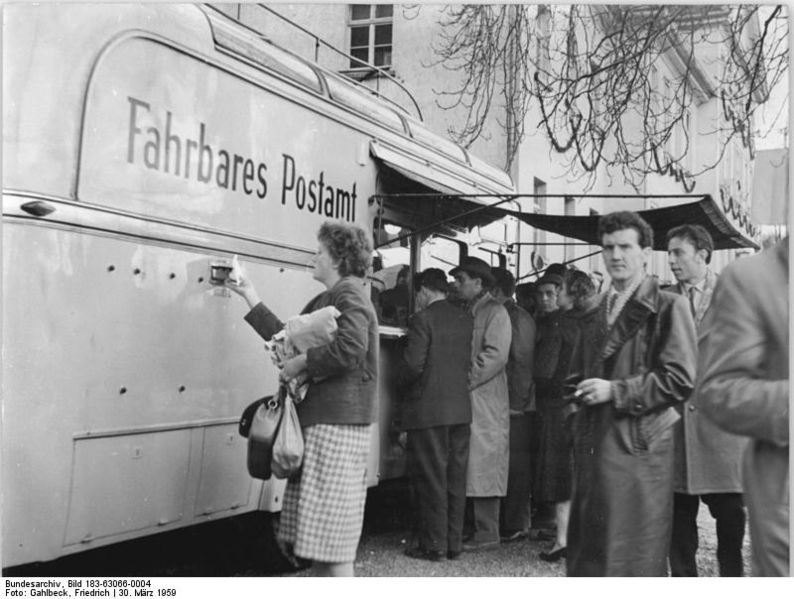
(323, 508)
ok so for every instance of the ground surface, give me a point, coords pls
(243, 546)
(381, 550)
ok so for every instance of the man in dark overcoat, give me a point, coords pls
(436, 413)
(707, 458)
(637, 361)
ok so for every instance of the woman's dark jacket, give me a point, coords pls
(548, 343)
(344, 373)
(554, 465)
(573, 323)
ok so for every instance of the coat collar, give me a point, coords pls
(704, 298)
(480, 301)
(643, 303)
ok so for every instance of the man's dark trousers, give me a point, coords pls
(728, 510)
(516, 509)
(437, 458)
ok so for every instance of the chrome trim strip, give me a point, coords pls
(110, 222)
(153, 428)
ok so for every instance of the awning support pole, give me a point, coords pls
(509, 245)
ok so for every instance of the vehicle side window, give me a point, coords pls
(391, 274)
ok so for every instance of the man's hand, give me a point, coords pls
(594, 391)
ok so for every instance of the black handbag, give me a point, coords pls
(259, 423)
(244, 426)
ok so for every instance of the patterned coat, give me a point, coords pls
(707, 458)
(486, 475)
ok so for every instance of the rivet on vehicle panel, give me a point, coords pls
(137, 271)
(201, 279)
(172, 276)
(281, 270)
(123, 390)
(111, 268)
(181, 388)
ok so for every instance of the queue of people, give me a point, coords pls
(598, 406)
(610, 416)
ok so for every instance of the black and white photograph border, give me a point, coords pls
(150, 150)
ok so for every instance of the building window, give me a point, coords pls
(371, 34)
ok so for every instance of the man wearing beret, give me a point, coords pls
(486, 475)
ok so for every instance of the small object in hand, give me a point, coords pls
(572, 395)
(220, 271)
(235, 275)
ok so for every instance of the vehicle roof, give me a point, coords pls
(43, 108)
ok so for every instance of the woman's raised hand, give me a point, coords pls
(242, 286)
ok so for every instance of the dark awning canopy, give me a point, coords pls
(703, 212)
(461, 203)
(468, 211)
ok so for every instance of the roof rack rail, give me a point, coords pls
(318, 42)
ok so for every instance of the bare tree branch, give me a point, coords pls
(616, 86)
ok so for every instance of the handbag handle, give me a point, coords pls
(278, 399)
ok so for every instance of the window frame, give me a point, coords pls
(371, 23)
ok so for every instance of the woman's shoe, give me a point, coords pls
(554, 556)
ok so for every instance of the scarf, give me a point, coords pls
(616, 300)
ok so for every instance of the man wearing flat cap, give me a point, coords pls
(486, 475)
